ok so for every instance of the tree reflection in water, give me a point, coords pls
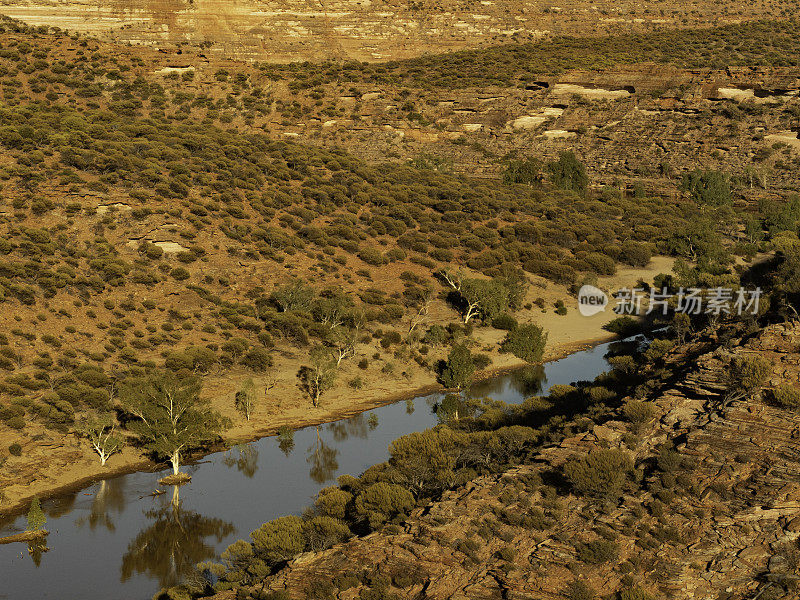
(354, 427)
(59, 506)
(529, 380)
(323, 460)
(110, 497)
(36, 549)
(286, 441)
(173, 544)
(247, 461)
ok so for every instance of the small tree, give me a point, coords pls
(707, 187)
(485, 298)
(342, 342)
(568, 173)
(102, 435)
(246, 398)
(526, 342)
(459, 368)
(293, 296)
(320, 375)
(332, 309)
(170, 416)
(682, 326)
(527, 171)
(36, 518)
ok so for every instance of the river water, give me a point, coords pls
(114, 541)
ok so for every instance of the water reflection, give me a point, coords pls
(354, 427)
(530, 380)
(115, 530)
(286, 442)
(323, 459)
(59, 506)
(110, 497)
(525, 382)
(36, 549)
(246, 462)
(173, 544)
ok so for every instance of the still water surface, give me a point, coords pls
(113, 541)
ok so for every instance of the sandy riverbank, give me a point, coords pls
(53, 464)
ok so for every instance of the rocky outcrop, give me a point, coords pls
(724, 524)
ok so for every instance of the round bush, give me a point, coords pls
(179, 273)
(505, 322)
(16, 423)
(786, 396)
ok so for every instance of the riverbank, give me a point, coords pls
(58, 465)
(86, 470)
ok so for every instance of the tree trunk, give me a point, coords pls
(176, 461)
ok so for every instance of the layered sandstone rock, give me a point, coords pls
(730, 532)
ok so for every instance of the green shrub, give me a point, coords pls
(578, 590)
(15, 449)
(16, 423)
(601, 473)
(481, 361)
(197, 359)
(658, 349)
(635, 254)
(598, 551)
(180, 274)
(279, 539)
(505, 322)
(372, 256)
(526, 342)
(507, 553)
(458, 369)
(323, 532)
(624, 326)
(638, 412)
(257, 359)
(332, 502)
(381, 501)
(748, 374)
(787, 396)
(634, 593)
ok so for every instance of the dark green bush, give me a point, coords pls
(505, 321)
(602, 472)
(598, 551)
(526, 342)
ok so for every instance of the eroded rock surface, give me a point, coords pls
(727, 527)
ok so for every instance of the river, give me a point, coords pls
(114, 541)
